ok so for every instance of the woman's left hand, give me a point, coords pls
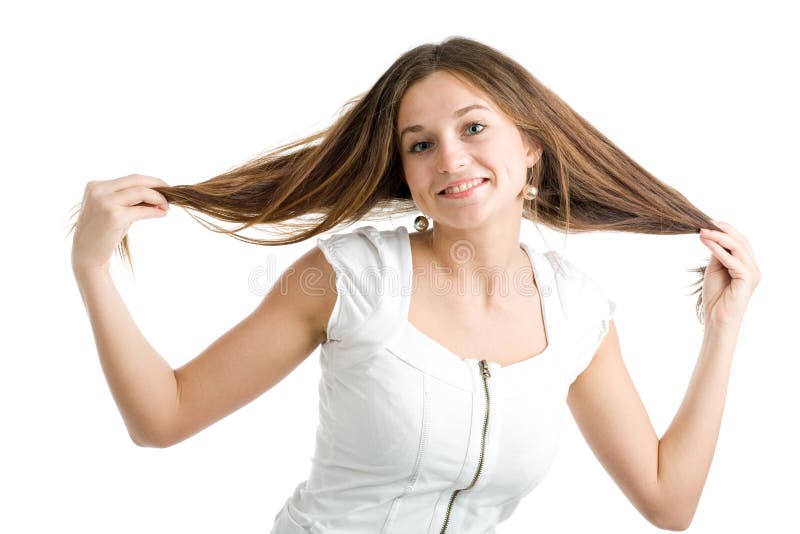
(730, 278)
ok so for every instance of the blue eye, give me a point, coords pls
(483, 126)
(477, 124)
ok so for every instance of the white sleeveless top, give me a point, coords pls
(404, 423)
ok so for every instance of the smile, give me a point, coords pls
(463, 190)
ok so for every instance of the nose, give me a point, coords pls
(451, 157)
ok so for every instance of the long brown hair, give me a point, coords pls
(352, 170)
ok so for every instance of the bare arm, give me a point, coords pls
(663, 478)
(162, 406)
(257, 353)
(687, 447)
(141, 382)
(613, 420)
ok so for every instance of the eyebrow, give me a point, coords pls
(456, 114)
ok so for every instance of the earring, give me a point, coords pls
(529, 191)
(421, 223)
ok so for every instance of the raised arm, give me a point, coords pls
(161, 406)
(664, 477)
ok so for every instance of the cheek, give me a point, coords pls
(416, 188)
(419, 198)
(415, 179)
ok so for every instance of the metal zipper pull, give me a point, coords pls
(485, 369)
(485, 374)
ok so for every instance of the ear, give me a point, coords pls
(533, 152)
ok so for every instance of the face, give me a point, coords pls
(447, 144)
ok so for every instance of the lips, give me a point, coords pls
(459, 182)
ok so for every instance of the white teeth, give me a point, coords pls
(463, 187)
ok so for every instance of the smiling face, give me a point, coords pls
(451, 133)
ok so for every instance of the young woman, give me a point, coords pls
(442, 388)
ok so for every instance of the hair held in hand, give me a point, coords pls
(351, 170)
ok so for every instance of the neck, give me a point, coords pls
(477, 262)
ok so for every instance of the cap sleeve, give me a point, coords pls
(588, 310)
(367, 279)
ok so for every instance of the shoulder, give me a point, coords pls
(587, 309)
(357, 256)
(570, 275)
(309, 285)
(581, 293)
(365, 241)
(368, 267)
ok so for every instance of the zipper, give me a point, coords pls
(485, 374)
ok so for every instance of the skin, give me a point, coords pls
(616, 427)
(488, 305)
(663, 478)
(450, 149)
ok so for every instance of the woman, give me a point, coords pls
(432, 425)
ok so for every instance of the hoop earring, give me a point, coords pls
(421, 223)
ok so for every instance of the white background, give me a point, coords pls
(701, 94)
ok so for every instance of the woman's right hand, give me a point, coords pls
(108, 209)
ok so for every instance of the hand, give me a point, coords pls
(108, 209)
(730, 278)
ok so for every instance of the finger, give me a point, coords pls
(118, 184)
(733, 264)
(723, 239)
(730, 229)
(147, 212)
(138, 194)
(737, 247)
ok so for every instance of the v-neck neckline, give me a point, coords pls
(548, 330)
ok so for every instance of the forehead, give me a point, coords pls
(439, 93)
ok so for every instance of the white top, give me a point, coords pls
(404, 423)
